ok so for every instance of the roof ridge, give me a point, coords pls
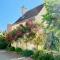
(30, 13)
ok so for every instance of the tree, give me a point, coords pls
(3, 41)
(52, 17)
(52, 42)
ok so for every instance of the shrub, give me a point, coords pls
(18, 50)
(3, 44)
(11, 49)
(27, 53)
(36, 55)
(57, 57)
(42, 56)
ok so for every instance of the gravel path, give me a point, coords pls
(4, 55)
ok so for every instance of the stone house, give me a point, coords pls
(34, 14)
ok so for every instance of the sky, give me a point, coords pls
(10, 10)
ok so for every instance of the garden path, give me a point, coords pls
(4, 55)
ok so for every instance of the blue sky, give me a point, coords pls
(10, 10)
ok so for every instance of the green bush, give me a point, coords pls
(18, 50)
(57, 57)
(11, 49)
(42, 56)
(3, 44)
(36, 55)
(27, 53)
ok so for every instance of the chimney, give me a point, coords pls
(24, 10)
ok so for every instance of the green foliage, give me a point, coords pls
(27, 53)
(25, 29)
(10, 48)
(57, 57)
(3, 42)
(35, 56)
(18, 50)
(52, 17)
(48, 17)
(13, 32)
(52, 42)
(53, 13)
(40, 55)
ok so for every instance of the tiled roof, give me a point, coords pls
(30, 13)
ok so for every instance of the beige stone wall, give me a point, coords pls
(22, 45)
(16, 25)
(39, 17)
(12, 27)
